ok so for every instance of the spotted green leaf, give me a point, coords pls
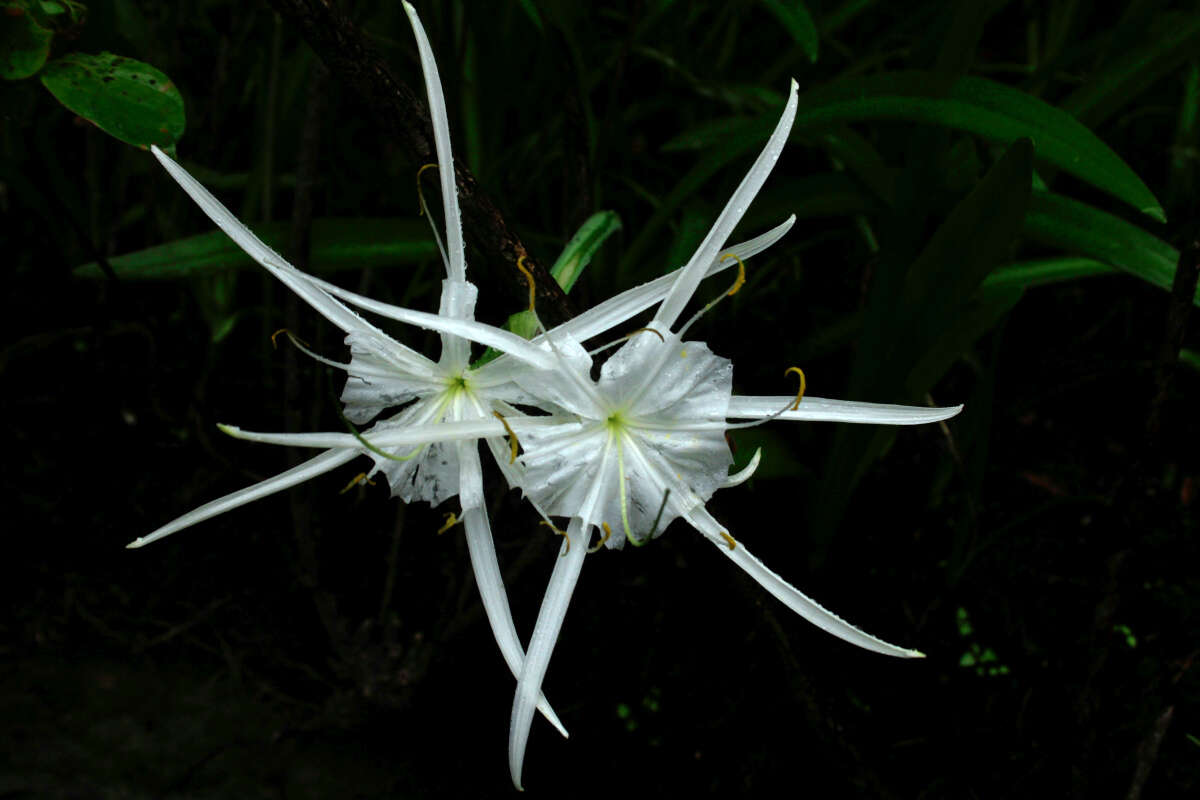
(127, 99)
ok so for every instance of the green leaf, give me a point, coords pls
(127, 99)
(986, 108)
(24, 45)
(583, 245)
(1111, 89)
(971, 242)
(566, 270)
(967, 103)
(1041, 272)
(337, 244)
(912, 336)
(1070, 225)
(799, 23)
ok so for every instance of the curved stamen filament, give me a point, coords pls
(359, 478)
(513, 443)
(605, 538)
(626, 338)
(451, 520)
(529, 278)
(636, 331)
(738, 283)
(422, 210)
(561, 533)
(792, 406)
(624, 503)
(803, 383)
(728, 540)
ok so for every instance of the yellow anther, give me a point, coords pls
(599, 544)
(513, 444)
(636, 331)
(295, 340)
(359, 478)
(560, 533)
(451, 520)
(728, 540)
(529, 277)
(420, 195)
(799, 394)
(741, 278)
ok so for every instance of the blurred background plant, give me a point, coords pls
(993, 199)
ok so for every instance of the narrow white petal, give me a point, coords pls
(744, 474)
(541, 645)
(384, 435)
(495, 600)
(498, 338)
(820, 409)
(789, 595)
(623, 307)
(295, 280)
(456, 266)
(380, 436)
(690, 278)
(458, 302)
(284, 480)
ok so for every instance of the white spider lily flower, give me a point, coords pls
(385, 374)
(648, 446)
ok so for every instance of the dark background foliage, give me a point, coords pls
(1041, 547)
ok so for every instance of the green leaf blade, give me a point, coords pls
(799, 23)
(127, 99)
(24, 45)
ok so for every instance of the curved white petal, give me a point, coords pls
(456, 261)
(382, 435)
(284, 480)
(745, 473)
(789, 595)
(623, 307)
(486, 567)
(502, 340)
(681, 292)
(541, 644)
(820, 409)
(295, 280)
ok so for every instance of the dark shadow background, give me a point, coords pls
(324, 645)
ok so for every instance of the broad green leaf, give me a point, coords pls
(793, 16)
(24, 45)
(583, 245)
(337, 244)
(127, 99)
(972, 241)
(1076, 227)
(966, 103)
(911, 338)
(1109, 90)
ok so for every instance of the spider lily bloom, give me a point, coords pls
(648, 446)
(385, 374)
